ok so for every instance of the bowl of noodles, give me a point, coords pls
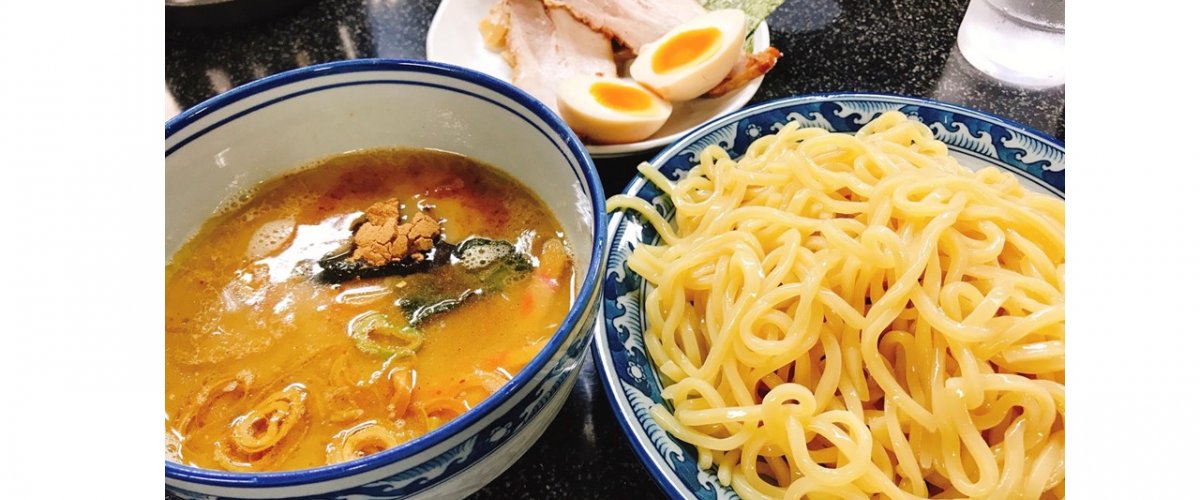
(369, 292)
(849, 296)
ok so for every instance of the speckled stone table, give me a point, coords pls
(895, 46)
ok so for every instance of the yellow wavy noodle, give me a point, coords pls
(265, 433)
(404, 380)
(356, 389)
(480, 384)
(196, 411)
(438, 410)
(857, 316)
(435, 406)
(359, 441)
(341, 400)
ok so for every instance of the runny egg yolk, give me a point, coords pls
(685, 48)
(621, 97)
(608, 110)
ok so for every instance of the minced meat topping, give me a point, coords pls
(383, 238)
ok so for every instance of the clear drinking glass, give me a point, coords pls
(1017, 41)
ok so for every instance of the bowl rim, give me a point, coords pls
(580, 307)
(602, 358)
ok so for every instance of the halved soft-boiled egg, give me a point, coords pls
(692, 58)
(610, 110)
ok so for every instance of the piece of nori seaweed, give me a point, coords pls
(437, 284)
(447, 287)
(339, 267)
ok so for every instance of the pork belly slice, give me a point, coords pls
(545, 45)
(634, 23)
(749, 67)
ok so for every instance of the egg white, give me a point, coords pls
(694, 79)
(604, 125)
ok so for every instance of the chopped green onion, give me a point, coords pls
(375, 333)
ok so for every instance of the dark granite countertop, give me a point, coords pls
(895, 46)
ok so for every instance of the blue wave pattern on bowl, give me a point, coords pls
(630, 378)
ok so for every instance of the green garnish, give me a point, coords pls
(481, 266)
(756, 11)
(376, 333)
(475, 267)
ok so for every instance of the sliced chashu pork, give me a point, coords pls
(635, 23)
(545, 45)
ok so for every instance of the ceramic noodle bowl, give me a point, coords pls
(272, 126)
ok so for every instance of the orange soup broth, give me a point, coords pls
(237, 312)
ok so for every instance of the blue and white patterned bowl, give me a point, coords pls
(976, 139)
(263, 129)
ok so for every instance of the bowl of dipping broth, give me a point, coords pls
(381, 278)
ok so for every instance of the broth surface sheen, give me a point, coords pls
(263, 368)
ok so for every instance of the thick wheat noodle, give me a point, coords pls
(404, 380)
(238, 385)
(194, 413)
(360, 441)
(261, 435)
(858, 316)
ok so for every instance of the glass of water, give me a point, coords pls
(1017, 41)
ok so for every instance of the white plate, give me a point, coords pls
(454, 39)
